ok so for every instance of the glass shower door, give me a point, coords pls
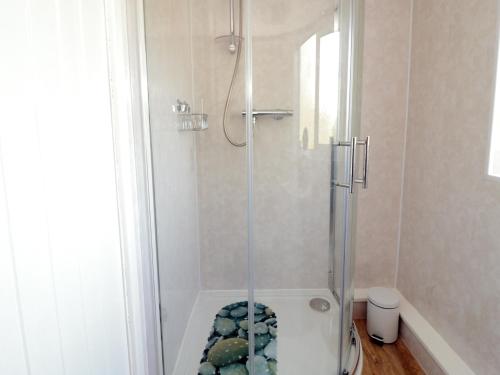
(243, 219)
(349, 168)
(303, 79)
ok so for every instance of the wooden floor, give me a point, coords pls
(390, 359)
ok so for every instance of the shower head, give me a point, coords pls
(232, 38)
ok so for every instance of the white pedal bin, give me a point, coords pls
(383, 314)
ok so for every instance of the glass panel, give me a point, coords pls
(296, 66)
(200, 183)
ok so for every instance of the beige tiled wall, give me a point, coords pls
(291, 191)
(291, 184)
(450, 248)
(385, 82)
(450, 252)
(291, 194)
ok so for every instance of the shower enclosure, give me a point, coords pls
(254, 212)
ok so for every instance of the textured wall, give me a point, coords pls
(168, 31)
(291, 184)
(385, 82)
(450, 249)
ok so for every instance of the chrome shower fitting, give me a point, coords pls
(181, 107)
(233, 39)
(232, 45)
(238, 41)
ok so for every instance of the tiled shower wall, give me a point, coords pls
(291, 184)
(291, 197)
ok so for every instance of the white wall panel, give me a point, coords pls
(62, 309)
(10, 320)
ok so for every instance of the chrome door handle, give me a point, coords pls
(353, 145)
(352, 169)
(364, 179)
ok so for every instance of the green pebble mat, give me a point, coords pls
(226, 352)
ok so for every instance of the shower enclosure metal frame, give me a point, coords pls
(249, 123)
(345, 144)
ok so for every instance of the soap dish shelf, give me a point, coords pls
(187, 121)
(192, 121)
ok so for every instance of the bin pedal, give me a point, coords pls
(377, 340)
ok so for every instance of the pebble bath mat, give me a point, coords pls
(226, 352)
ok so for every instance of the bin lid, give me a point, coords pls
(386, 298)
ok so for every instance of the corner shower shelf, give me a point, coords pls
(192, 121)
(187, 121)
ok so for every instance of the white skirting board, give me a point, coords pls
(429, 339)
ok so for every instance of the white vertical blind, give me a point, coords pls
(62, 309)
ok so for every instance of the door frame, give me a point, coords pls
(126, 47)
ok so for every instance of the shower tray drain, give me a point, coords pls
(319, 304)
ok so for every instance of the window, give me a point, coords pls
(494, 169)
(319, 81)
(328, 86)
(308, 93)
(494, 165)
